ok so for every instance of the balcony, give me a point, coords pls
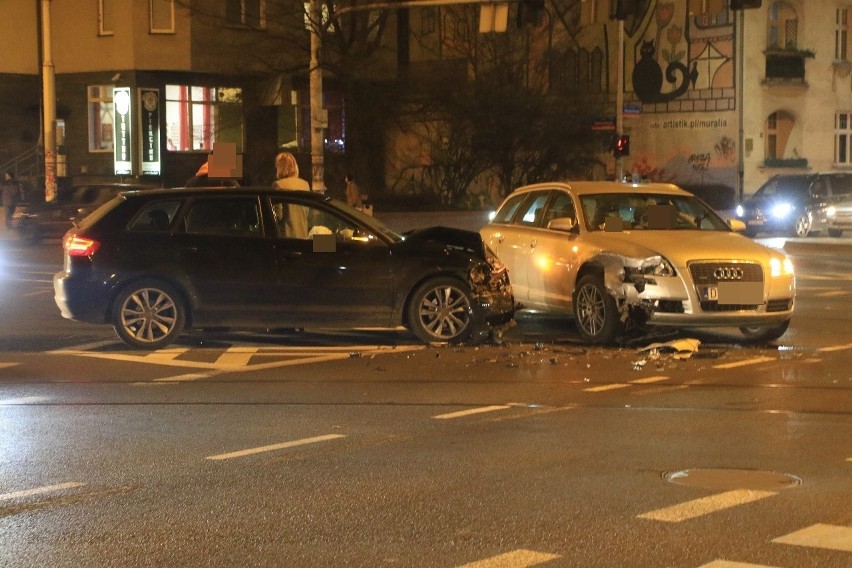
(799, 163)
(786, 66)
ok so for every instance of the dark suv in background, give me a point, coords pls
(795, 205)
(35, 219)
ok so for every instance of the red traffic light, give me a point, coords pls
(621, 146)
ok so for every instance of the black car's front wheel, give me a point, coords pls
(148, 314)
(440, 311)
(802, 226)
(595, 311)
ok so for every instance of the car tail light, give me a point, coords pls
(75, 245)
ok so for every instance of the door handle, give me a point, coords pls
(533, 243)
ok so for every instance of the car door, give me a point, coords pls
(553, 261)
(339, 274)
(227, 261)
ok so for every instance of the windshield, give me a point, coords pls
(784, 187)
(377, 226)
(648, 211)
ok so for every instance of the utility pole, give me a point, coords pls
(49, 97)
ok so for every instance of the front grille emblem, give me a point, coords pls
(728, 273)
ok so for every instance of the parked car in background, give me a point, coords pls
(840, 217)
(153, 263)
(794, 205)
(36, 220)
(620, 257)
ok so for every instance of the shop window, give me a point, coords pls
(105, 17)
(335, 133)
(162, 16)
(197, 117)
(101, 115)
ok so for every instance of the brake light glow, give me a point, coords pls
(76, 245)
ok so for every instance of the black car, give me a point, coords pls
(153, 263)
(795, 205)
(35, 220)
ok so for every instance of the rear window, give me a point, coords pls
(156, 217)
(101, 212)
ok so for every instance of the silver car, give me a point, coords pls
(619, 257)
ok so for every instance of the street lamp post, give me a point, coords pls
(49, 103)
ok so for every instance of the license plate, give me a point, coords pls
(709, 293)
(726, 293)
(756, 222)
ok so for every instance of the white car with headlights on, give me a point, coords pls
(620, 257)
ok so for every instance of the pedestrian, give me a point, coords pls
(202, 179)
(295, 221)
(12, 194)
(353, 192)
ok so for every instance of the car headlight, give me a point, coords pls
(740, 211)
(781, 210)
(831, 211)
(781, 267)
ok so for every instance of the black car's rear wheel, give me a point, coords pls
(440, 311)
(148, 314)
(758, 334)
(595, 311)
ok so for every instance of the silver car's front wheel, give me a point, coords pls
(148, 315)
(440, 311)
(595, 311)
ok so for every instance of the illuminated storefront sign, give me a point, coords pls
(149, 126)
(122, 156)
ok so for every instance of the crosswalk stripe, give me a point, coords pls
(515, 559)
(236, 356)
(729, 564)
(168, 354)
(7, 365)
(40, 490)
(462, 413)
(603, 388)
(705, 505)
(648, 380)
(820, 536)
(273, 447)
(745, 363)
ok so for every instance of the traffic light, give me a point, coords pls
(745, 4)
(530, 12)
(621, 146)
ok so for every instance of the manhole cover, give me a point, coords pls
(733, 479)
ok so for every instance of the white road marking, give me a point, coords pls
(183, 378)
(705, 505)
(614, 386)
(831, 294)
(24, 400)
(735, 364)
(729, 564)
(168, 354)
(40, 490)
(834, 348)
(274, 447)
(7, 365)
(515, 559)
(470, 411)
(831, 537)
(236, 356)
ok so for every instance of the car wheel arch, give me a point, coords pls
(406, 301)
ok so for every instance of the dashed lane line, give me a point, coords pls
(705, 505)
(516, 559)
(832, 294)
(7, 365)
(24, 400)
(614, 386)
(729, 564)
(830, 537)
(831, 348)
(184, 378)
(471, 411)
(747, 362)
(273, 447)
(40, 490)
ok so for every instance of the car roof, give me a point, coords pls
(592, 187)
(225, 191)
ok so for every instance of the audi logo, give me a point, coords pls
(729, 273)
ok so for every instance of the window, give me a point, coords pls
(841, 30)
(843, 138)
(105, 17)
(428, 20)
(196, 117)
(156, 216)
(162, 16)
(296, 221)
(783, 26)
(231, 217)
(335, 132)
(778, 129)
(249, 13)
(100, 118)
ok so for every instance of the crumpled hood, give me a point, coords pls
(679, 247)
(444, 236)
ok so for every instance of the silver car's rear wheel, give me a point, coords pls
(148, 315)
(440, 311)
(595, 311)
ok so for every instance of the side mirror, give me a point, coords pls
(566, 224)
(737, 225)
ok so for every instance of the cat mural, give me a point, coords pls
(648, 76)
